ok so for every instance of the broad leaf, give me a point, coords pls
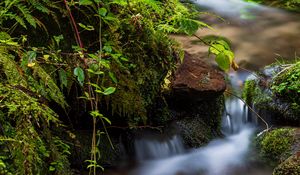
(102, 11)
(79, 73)
(223, 61)
(109, 91)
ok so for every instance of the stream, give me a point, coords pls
(258, 35)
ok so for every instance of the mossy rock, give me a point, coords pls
(276, 145)
(286, 84)
(291, 166)
(277, 93)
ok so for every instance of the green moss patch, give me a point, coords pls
(276, 145)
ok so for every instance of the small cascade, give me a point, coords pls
(153, 148)
(167, 156)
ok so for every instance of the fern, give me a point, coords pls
(27, 14)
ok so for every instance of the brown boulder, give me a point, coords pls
(196, 77)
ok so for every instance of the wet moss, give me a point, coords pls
(255, 94)
(286, 85)
(276, 145)
(277, 93)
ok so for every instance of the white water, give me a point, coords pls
(146, 149)
(223, 156)
(217, 158)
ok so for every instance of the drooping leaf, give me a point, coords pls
(85, 2)
(223, 61)
(113, 77)
(102, 11)
(79, 73)
(109, 90)
(86, 27)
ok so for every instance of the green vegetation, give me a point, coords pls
(276, 145)
(286, 84)
(278, 95)
(67, 63)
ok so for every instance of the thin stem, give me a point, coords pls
(74, 25)
(267, 125)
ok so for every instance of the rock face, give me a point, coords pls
(195, 78)
(197, 101)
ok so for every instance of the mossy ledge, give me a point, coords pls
(276, 93)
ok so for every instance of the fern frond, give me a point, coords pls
(27, 14)
(39, 6)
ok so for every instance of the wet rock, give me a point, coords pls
(271, 94)
(196, 101)
(280, 148)
(196, 79)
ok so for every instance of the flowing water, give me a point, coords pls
(258, 34)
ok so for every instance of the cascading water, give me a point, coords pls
(217, 158)
(146, 149)
(254, 43)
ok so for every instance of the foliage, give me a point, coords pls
(287, 85)
(116, 63)
(26, 143)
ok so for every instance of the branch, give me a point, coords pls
(267, 125)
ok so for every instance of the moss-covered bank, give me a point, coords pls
(276, 93)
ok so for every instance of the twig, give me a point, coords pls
(267, 125)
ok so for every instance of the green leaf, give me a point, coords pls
(107, 49)
(85, 2)
(216, 48)
(105, 63)
(79, 73)
(188, 26)
(63, 78)
(58, 39)
(86, 27)
(109, 90)
(106, 119)
(31, 55)
(102, 11)
(113, 77)
(223, 61)
(95, 85)
(51, 168)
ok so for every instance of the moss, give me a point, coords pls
(249, 91)
(276, 145)
(254, 94)
(291, 166)
(287, 84)
(278, 96)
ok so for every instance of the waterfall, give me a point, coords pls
(168, 157)
(147, 149)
